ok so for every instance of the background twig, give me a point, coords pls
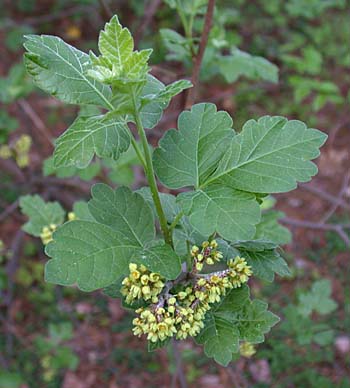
(191, 96)
(179, 373)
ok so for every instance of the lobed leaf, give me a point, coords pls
(171, 90)
(263, 258)
(229, 212)
(160, 258)
(186, 157)
(40, 213)
(269, 156)
(87, 136)
(152, 112)
(115, 42)
(318, 299)
(89, 254)
(118, 64)
(240, 63)
(124, 211)
(270, 229)
(253, 321)
(61, 70)
(219, 337)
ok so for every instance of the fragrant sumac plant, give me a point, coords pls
(182, 263)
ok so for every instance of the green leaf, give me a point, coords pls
(10, 379)
(121, 170)
(40, 214)
(184, 234)
(253, 321)
(152, 346)
(86, 173)
(255, 245)
(16, 85)
(264, 262)
(115, 43)
(171, 90)
(241, 63)
(168, 201)
(229, 212)
(61, 70)
(100, 135)
(177, 45)
(161, 259)
(219, 337)
(188, 156)
(89, 254)
(318, 299)
(269, 228)
(151, 112)
(234, 300)
(81, 210)
(118, 64)
(269, 156)
(124, 211)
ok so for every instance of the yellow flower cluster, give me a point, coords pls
(141, 283)
(207, 254)
(239, 271)
(46, 234)
(19, 150)
(247, 349)
(161, 322)
(182, 314)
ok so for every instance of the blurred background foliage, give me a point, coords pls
(263, 57)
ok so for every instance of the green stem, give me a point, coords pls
(150, 175)
(187, 26)
(138, 151)
(176, 220)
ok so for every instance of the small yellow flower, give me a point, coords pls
(5, 152)
(247, 349)
(72, 216)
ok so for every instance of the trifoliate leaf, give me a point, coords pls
(161, 259)
(269, 156)
(318, 299)
(186, 157)
(100, 135)
(89, 254)
(240, 63)
(219, 337)
(269, 228)
(231, 213)
(40, 214)
(61, 70)
(124, 211)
